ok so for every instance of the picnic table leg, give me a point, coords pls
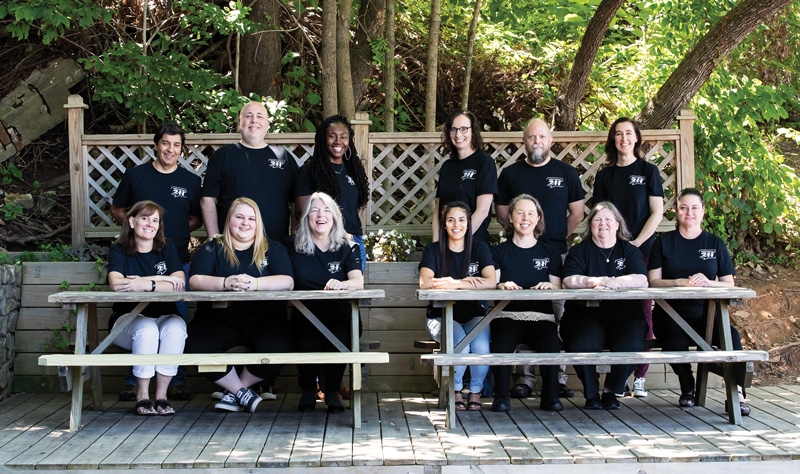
(732, 392)
(702, 369)
(77, 372)
(93, 338)
(355, 373)
(450, 387)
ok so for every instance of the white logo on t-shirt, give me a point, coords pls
(619, 264)
(161, 268)
(540, 263)
(637, 180)
(276, 163)
(350, 181)
(472, 269)
(468, 174)
(555, 182)
(263, 263)
(708, 254)
(334, 267)
(178, 192)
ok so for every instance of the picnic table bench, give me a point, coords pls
(86, 333)
(451, 356)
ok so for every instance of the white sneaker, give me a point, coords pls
(217, 395)
(228, 403)
(638, 387)
(268, 395)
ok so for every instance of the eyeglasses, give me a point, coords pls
(463, 130)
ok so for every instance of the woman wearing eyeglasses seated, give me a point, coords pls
(469, 175)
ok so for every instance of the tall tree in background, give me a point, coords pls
(260, 54)
(369, 26)
(470, 47)
(433, 65)
(696, 67)
(571, 91)
(388, 71)
(330, 104)
(344, 79)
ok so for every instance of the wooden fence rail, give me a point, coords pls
(403, 168)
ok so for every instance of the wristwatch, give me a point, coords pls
(154, 286)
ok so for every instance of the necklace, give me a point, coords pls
(610, 251)
(341, 168)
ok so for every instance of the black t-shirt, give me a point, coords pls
(177, 192)
(348, 196)
(527, 267)
(312, 272)
(629, 188)
(481, 258)
(554, 185)
(165, 262)
(465, 180)
(210, 260)
(678, 257)
(260, 174)
(587, 259)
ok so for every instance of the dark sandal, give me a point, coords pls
(474, 406)
(164, 408)
(460, 406)
(145, 408)
(686, 401)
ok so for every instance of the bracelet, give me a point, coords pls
(223, 284)
(153, 288)
(256, 284)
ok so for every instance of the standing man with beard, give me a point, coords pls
(177, 190)
(251, 168)
(557, 187)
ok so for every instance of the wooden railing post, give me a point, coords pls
(77, 168)
(685, 162)
(361, 128)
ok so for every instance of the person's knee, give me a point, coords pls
(146, 330)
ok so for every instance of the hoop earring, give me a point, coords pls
(348, 153)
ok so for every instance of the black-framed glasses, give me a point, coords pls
(463, 130)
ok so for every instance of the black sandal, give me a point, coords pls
(686, 401)
(145, 408)
(460, 406)
(474, 406)
(164, 408)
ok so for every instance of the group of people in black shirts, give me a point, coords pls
(245, 204)
(539, 202)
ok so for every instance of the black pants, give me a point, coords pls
(595, 330)
(673, 338)
(307, 338)
(540, 336)
(216, 332)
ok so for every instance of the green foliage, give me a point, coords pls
(392, 246)
(50, 19)
(60, 340)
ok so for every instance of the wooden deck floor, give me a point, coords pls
(399, 430)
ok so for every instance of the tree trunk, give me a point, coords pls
(261, 52)
(388, 71)
(433, 66)
(370, 26)
(570, 93)
(697, 66)
(470, 46)
(343, 78)
(330, 104)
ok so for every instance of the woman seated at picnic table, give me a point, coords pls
(692, 257)
(141, 260)
(604, 259)
(457, 262)
(523, 262)
(323, 259)
(241, 259)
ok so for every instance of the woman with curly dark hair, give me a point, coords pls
(336, 170)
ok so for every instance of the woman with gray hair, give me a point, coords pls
(323, 260)
(604, 259)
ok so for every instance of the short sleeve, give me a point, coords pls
(485, 258)
(576, 262)
(194, 205)
(352, 258)
(554, 267)
(116, 259)
(654, 186)
(599, 193)
(574, 183)
(304, 187)
(724, 259)
(204, 262)
(504, 188)
(122, 196)
(173, 260)
(279, 261)
(429, 257)
(213, 180)
(487, 177)
(656, 260)
(635, 260)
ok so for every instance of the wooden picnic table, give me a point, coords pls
(724, 296)
(86, 333)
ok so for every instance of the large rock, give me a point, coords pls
(37, 105)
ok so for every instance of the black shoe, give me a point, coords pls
(564, 391)
(333, 402)
(551, 405)
(179, 393)
(610, 401)
(308, 401)
(744, 408)
(501, 404)
(521, 390)
(593, 403)
(128, 394)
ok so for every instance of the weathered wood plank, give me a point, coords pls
(20, 405)
(592, 358)
(379, 318)
(681, 293)
(487, 447)
(639, 446)
(536, 444)
(337, 445)
(401, 364)
(576, 444)
(28, 429)
(397, 340)
(254, 436)
(398, 296)
(425, 442)
(662, 447)
(307, 449)
(222, 442)
(610, 448)
(64, 297)
(189, 447)
(771, 410)
(392, 273)
(367, 446)
(54, 273)
(397, 449)
(168, 438)
(107, 443)
(213, 360)
(453, 439)
(280, 442)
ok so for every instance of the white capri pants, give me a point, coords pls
(163, 335)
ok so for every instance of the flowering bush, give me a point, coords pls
(392, 246)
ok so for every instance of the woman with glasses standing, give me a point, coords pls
(470, 174)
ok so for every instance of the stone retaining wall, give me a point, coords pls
(10, 281)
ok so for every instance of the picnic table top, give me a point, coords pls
(159, 296)
(679, 293)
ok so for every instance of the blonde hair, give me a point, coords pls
(260, 243)
(303, 240)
